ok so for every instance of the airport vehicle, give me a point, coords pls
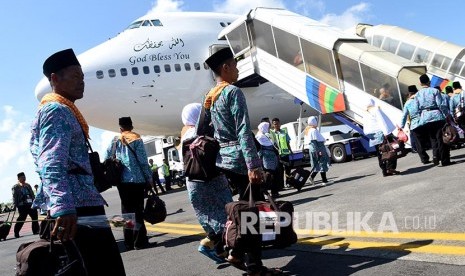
(445, 61)
(342, 142)
(159, 148)
(151, 70)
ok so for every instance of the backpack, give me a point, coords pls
(200, 152)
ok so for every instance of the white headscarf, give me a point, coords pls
(312, 121)
(263, 128)
(190, 114)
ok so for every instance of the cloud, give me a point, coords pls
(161, 6)
(349, 18)
(308, 7)
(244, 6)
(14, 146)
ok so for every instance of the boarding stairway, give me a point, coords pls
(302, 57)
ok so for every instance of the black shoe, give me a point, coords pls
(436, 162)
(444, 164)
(426, 162)
(17, 235)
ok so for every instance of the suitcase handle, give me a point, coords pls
(265, 192)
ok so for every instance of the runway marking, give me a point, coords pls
(419, 242)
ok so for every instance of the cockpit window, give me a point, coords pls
(145, 23)
(135, 25)
(156, 22)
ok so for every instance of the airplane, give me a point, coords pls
(152, 69)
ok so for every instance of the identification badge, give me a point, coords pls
(29, 200)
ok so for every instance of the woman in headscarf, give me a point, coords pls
(319, 158)
(377, 127)
(207, 198)
(269, 157)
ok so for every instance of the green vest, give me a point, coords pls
(280, 138)
(166, 170)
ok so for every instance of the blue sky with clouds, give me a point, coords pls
(31, 30)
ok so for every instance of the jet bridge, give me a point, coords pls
(331, 71)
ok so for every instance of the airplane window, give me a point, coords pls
(156, 22)
(167, 68)
(134, 25)
(187, 66)
(111, 73)
(463, 72)
(146, 70)
(135, 70)
(156, 69)
(205, 66)
(177, 67)
(456, 66)
(146, 23)
(124, 72)
(197, 66)
(223, 24)
(99, 74)
(264, 37)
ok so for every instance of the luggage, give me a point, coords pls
(5, 226)
(273, 227)
(155, 209)
(298, 178)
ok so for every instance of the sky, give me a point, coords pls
(32, 30)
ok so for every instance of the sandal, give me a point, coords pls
(210, 253)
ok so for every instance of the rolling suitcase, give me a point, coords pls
(298, 178)
(5, 227)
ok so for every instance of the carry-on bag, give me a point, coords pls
(5, 226)
(298, 178)
(273, 227)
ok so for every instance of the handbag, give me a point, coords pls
(46, 256)
(449, 134)
(98, 170)
(155, 209)
(392, 150)
(274, 218)
(200, 153)
(402, 136)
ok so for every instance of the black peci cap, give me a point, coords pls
(125, 121)
(58, 61)
(456, 85)
(21, 174)
(412, 89)
(449, 89)
(218, 58)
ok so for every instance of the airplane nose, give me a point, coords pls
(42, 88)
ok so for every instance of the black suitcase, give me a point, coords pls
(298, 178)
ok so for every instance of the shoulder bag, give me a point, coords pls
(112, 167)
(200, 153)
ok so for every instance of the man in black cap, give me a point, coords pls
(433, 112)
(457, 106)
(129, 149)
(225, 104)
(67, 191)
(23, 195)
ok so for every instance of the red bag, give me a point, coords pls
(402, 136)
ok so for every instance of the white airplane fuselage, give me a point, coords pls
(151, 72)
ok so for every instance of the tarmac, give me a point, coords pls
(361, 224)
